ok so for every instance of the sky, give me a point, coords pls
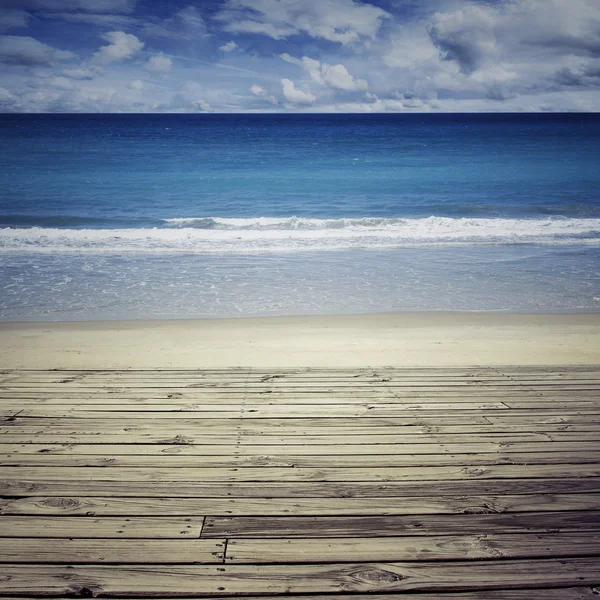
(220, 56)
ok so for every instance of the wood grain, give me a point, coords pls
(454, 483)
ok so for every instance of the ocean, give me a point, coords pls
(205, 216)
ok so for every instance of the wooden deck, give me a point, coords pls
(425, 483)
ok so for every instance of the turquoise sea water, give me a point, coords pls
(174, 216)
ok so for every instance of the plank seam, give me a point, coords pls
(226, 545)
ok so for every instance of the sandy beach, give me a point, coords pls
(403, 339)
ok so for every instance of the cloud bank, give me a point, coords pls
(287, 55)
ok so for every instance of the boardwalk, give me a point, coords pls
(424, 483)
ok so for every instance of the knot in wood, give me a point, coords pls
(86, 592)
(474, 472)
(375, 575)
(479, 510)
(60, 502)
(171, 450)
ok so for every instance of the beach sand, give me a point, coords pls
(402, 339)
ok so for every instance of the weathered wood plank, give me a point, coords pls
(433, 376)
(445, 547)
(502, 417)
(105, 527)
(409, 525)
(81, 427)
(501, 448)
(271, 411)
(283, 474)
(591, 456)
(301, 440)
(356, 489)
(458, 417)
(201, 581)
(144, 507)
(111, 396)
(572, 593)
(110, 551)
(319, 409)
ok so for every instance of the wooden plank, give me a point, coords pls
(406, 525)
(501, 447)
(105, 527)
(227, 386)
(504, 371)
(290, 474)
(319, 409)
(457, 417)
(198, 581)
(444, 547)
(302, 440)
(271, 411)
(573, 593)
(324, 381)
(146, 507)
(377, 461)
(110, 551)
(381, 379)
(303, 489)
(500, 369)
(219, 396)
(114, 427)
(232, 382)
(385, 381)
(502, 417)
(285, 382)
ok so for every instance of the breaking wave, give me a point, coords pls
(289, 234)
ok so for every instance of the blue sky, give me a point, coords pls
(299, 55)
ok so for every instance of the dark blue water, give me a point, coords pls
(134, 170)
(433, 212)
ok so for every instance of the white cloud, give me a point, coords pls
(202, 105)
(523, 32)
(228, 47)
(466, 36)
(411, 48)
(121, 47)
(159, 64)
(27, 51)
(11, 18)
(337, 76)
(494, 52)
(334, 76)
(61, 83)
(82, 72)
(185, 24)
(192, 87)
(137, 85)
(7, 98)
(261, 92)
(294, 95)
(451, 55)
(342, 21)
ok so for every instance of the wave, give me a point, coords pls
(264, 234)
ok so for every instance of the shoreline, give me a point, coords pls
(405, 339)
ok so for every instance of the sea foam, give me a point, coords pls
(289, 234)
